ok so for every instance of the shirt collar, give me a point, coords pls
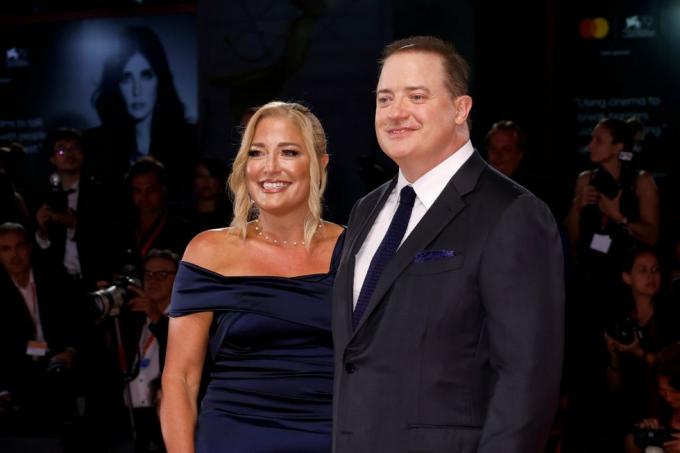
(74, 187)
(429, 186)
(31, 282)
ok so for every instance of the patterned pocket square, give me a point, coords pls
(434, 255)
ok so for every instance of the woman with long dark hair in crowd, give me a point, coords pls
(255, 299)
(643, 324)
(141, 113)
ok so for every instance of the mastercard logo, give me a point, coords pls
(595, 28)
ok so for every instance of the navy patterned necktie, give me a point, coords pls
(385, 251)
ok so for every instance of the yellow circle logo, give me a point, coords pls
(595, 28)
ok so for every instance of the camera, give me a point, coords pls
(57, 199)
(622, 330)
(647, 437)
(109, 301)
(605, 183)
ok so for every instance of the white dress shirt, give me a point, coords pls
(30, 296)
(71, 257)
(427, 188)
(149, 369)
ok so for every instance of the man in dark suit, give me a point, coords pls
(38, 330)
(448, 304)
(149, 225)
(73, 217)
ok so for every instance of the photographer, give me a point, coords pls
(153, 300)
(666, 428)
(615, 207)
(37, 337)
(615, 195)
(644, 325)
(139, 313)
(159, 269)
(71, 218)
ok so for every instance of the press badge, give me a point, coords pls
(146, 361)
(36, 348)
(601, 242)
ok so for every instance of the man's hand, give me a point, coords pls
(63, 360)
(67, 219)
(142, 303)
(43, 217)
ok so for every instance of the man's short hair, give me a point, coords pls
(509, 126)
(13, 227)
(668, 365)
(146, 165)
(62, 133)
(165, 254)
(455, 67)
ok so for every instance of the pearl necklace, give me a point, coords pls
(262, 234)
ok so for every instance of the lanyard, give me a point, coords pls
(147, 344)
(149, 242)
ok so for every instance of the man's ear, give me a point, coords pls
(463, 105)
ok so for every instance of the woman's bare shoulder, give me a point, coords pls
(586, 174)
(645, 182)
(333, 230)
(211, 247)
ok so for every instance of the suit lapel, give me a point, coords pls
(447, 206)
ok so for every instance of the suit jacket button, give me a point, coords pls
(350, 367)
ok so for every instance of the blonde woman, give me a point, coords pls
(254, 300)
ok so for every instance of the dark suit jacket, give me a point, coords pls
(174, 233)
(96, 208)
(460, 353)
(58, 306)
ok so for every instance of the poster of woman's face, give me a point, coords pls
(122, 73)
(139, 87)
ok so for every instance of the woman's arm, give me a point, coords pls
(185, 354)
(187, 344)
(646, 229)
(614, 366)
(584, 194)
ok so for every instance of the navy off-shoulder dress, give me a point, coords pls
(270, 359)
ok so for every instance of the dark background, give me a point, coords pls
(531, 62)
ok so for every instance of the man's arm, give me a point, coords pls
(522, 289)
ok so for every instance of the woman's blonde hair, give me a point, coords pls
(314, 139)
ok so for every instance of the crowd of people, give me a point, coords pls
(88, 269)
(89, 260)
(623, 301)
